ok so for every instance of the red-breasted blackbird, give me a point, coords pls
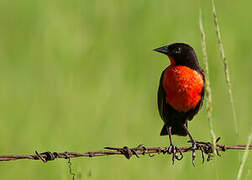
(180, 93)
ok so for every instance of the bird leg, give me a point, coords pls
(173, 149)
(195, 146)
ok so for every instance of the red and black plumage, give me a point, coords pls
(181, 89)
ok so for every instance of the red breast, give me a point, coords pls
(183, 87)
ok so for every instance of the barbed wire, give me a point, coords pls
(126, 151)
(204, 147)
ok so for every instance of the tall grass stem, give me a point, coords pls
(226, 71)
(244, 158)
(207, 82)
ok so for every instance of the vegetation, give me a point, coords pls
(81, 75)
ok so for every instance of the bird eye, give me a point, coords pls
(177, 50)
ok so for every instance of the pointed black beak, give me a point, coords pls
(163, 50)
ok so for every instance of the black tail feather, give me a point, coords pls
(164, 131)
(176, 129)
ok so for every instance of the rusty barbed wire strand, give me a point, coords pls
(127, 152)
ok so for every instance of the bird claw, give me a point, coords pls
(205, 148)
(202, 154)
(194, 147)
(175, 151)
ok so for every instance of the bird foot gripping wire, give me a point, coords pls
(209, 148)
(205, 148)
(174, 151)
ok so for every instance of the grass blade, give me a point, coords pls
(226, 71)
(207, 88)
(244, 158)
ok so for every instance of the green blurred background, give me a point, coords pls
(81, 75)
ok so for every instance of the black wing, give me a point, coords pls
(161, 98)
(170, 116)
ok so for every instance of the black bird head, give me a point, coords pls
(180, 54)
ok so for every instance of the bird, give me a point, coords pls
(180, 93)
